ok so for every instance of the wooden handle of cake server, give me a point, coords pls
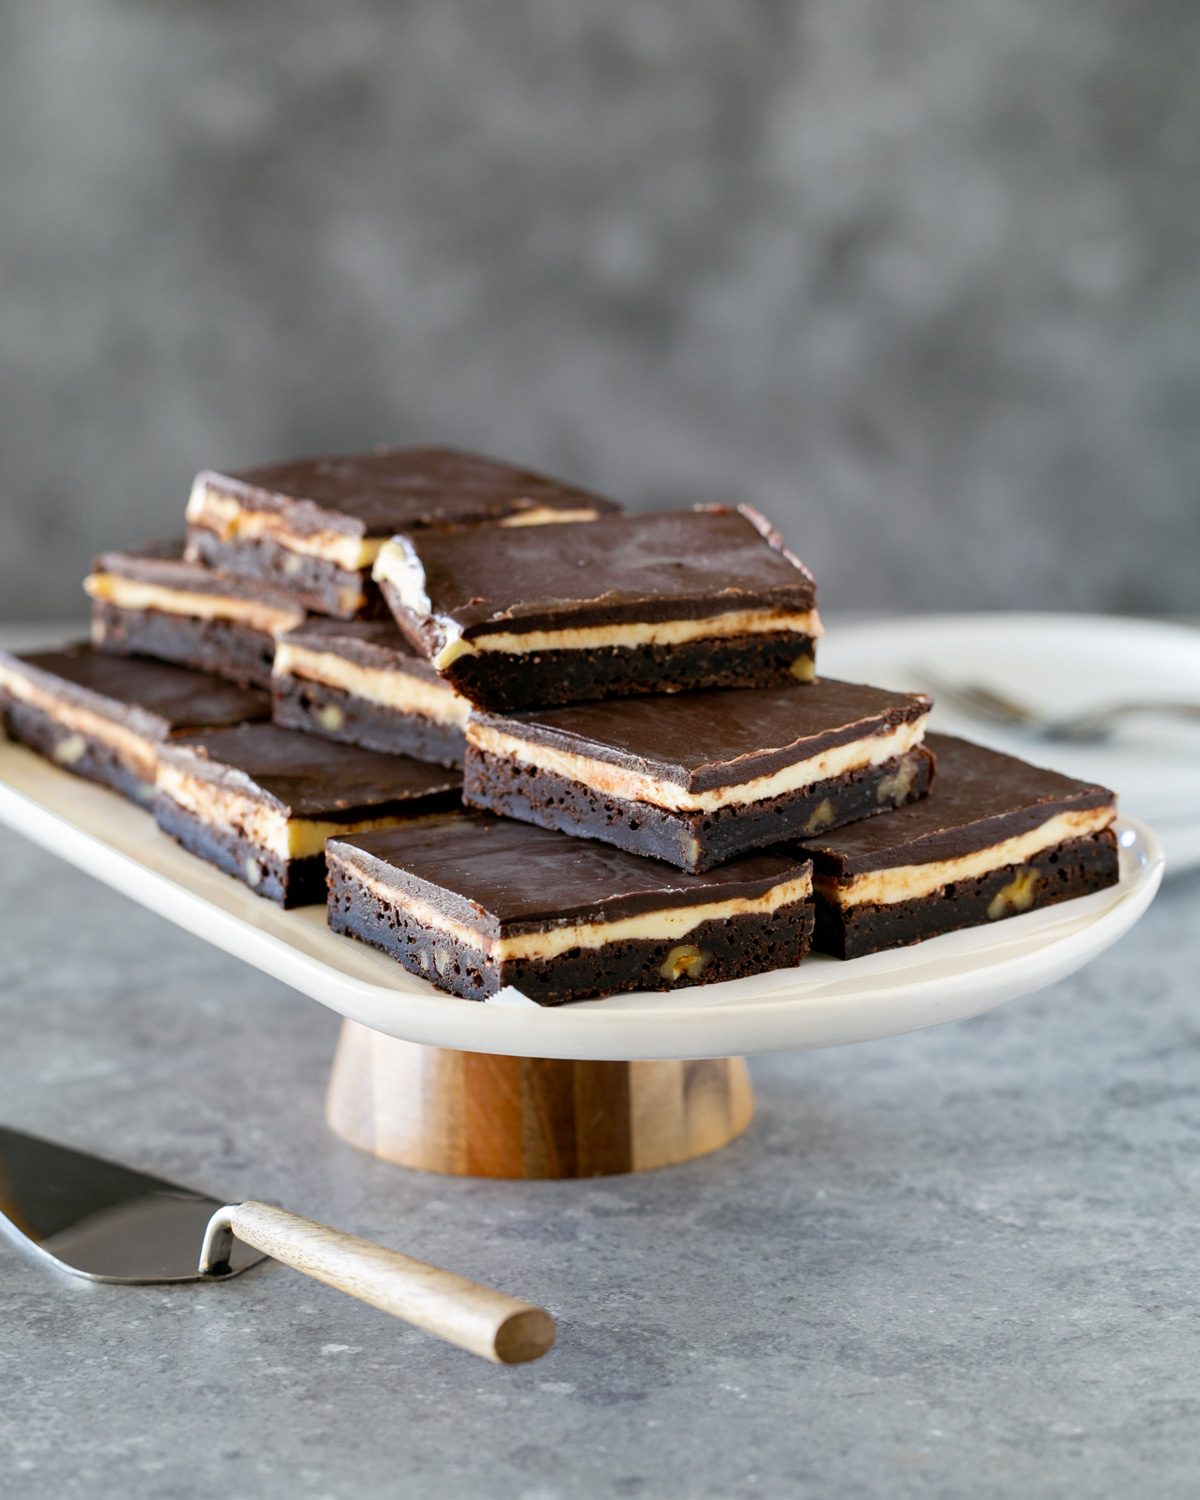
(488, 1323)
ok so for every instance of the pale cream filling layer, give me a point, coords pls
(653, 926)
(395, 567)
(395, 690)
(910, 882)
(231, 520)
(636, 786)
(266, 827)
(130, 593)
(736, 622)
(138, 752)
(546, 515)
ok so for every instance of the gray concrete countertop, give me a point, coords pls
(964, 1261)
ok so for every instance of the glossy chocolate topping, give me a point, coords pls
(397, 489)
(377, 644)
(496, 874)
(311, 777)
(705, 740)
(979, 798)
(685, 564)
(163, 564)
(152, 698)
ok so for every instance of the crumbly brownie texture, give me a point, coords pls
(996, 837)
(259, 801)
(709, 597)
(474, 904)
(359, 681)
(151, 602)
(316, 524)
(1076, 867)
(222, 647)
(699, 778)
(106, 717)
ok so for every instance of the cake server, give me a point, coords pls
(110, 1223)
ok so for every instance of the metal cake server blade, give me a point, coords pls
(107, 1222)
(97, 1219)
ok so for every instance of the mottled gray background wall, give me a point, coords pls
(921, 279)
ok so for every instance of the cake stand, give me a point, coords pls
(510, 1089)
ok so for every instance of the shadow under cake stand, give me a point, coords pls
(510, 1089)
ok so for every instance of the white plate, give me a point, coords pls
(1061, 664)
(818, 1004)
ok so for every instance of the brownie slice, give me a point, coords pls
(996, 837)
(625, 605)
(260, 801)
(106, 718)
(477, 903)
(315, 525)
(699, 778)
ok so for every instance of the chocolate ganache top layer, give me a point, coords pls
(979, 798)
(154, 699)
(376, 644)
(313, 778)
(163, 564)
(713, 739)
(498, 875)
(671, 565)
(395, 489)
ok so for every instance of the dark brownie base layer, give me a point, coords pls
(733, 949)
(1074, 868)
(318, 585)
(694, 841)
(336, 715)
(538, 679)
(223, 647)
(290, 882)
(71, 751)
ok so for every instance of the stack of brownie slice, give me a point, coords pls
(171, 701)
(644, 701)
(661, 791)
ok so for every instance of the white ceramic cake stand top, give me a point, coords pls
(821, 1003)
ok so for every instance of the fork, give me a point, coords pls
(985, 702)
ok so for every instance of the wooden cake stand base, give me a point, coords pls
(477, 1115)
